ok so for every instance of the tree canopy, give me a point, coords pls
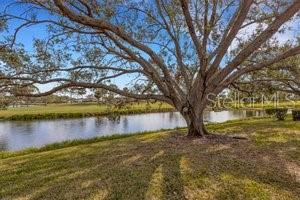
(176, 51)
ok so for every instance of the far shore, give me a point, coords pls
(67, 111)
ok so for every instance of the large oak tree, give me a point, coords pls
(176, 51)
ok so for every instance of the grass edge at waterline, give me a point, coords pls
(76, 142)
(65, 111)
(114, 136)
(165, 165)
(47, 116)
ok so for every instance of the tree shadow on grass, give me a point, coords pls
(244, 171)
(114, 171)
(146, 167)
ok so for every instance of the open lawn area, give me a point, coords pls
(163, 165)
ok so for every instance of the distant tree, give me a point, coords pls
(179, 51)
(100, 94)
(4, 103)
(23, 93)
(74, 93)
(81, 92)
(50, 99)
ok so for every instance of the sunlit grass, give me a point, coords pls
(163, 165)
(78, 110)
(264, 105)
(54, 111)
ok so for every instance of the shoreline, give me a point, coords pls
(109, 113)
(77, 115)
(127, 166)
(114, 136)
(54, 115)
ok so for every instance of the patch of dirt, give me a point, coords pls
(208, 139)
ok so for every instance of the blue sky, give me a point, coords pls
(27, 36)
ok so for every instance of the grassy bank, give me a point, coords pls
(164, 165)
(58, 111)
(291, 104)
(55, 111)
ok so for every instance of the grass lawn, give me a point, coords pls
(77, 110)
(291, 104)
(164, 165)
(267, 104)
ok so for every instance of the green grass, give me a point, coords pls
(57, 111)
(269, 104)
(54, 111)
(163, 165)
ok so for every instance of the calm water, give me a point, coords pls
(17, 135)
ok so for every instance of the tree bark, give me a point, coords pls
(197, 129)
(195, 124)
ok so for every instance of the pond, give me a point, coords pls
(17, 135)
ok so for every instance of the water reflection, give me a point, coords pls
(3, 143)
(16, 135)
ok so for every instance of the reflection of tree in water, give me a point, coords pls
(171, 116)
(175, 118)
(235, 114)
(125, 123)
(26, 127)
(260, 113)
(82, 123)
(206, 116)
(99, 121)
(254, 113)
(114, 118)
(3, 144)
(250, 113)
(238, 114)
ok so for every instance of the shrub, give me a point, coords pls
(279, 113)
(296, 115)
(4, 103)
(270, 111)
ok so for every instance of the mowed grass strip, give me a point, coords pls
(54, 111)
(165, 165)
(292, 104)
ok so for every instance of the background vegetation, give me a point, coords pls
(53, 111)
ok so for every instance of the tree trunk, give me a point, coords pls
(195, 124)
(197, 129)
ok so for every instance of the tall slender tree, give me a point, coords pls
(176, 51)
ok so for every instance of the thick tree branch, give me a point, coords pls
(233, 28)
(234, 76)
(258, 41)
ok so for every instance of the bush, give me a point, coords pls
(296, 115)
(279, 113)
(270, 111)
(4, 104)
